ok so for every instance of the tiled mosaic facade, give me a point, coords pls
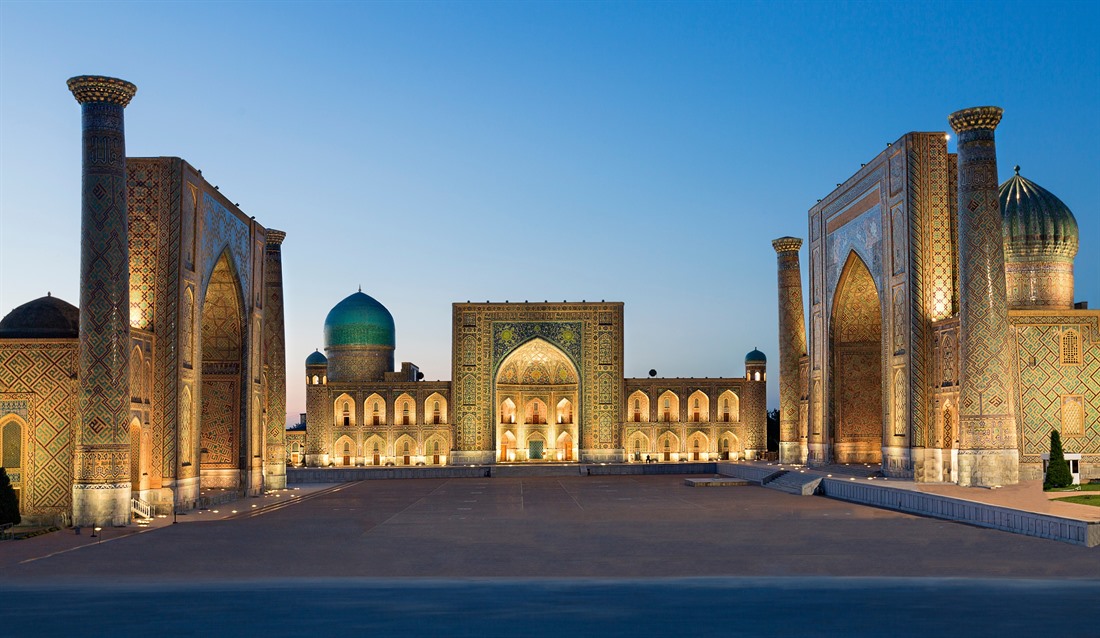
(175, 227)
(792, 347)
(101, 449)
(531, 382)
(898, 218)
(987, 424)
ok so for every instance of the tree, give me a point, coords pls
(9, 504)
(1058, 474)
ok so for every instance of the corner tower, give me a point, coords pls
(988, 453)
(755, 407)
(101, 451)
(274, 361)
(792, 347)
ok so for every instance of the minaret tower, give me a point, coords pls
(792, 347)
(101, 472)
(988, 455)
(275, 362)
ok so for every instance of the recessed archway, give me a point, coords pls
(856, 426)
(221, 421)
(537, 409)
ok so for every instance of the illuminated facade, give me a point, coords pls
(943, 339)
(531, 383)
(169, 377)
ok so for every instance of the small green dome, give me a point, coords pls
(755, 357)
(316, 359)
(1036, 223)
(359, 320)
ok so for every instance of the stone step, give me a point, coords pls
(795, 483)
(716, 482)
(533, 469)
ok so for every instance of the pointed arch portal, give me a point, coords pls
(536, 401)
(856, 429)
(221, 421)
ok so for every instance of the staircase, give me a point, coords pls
(794, 482)
(142, 510)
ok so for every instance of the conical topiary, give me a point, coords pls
(9, 504)
(1058, 474)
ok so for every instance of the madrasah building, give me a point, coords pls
(944, 341)
(169, 379)
(530, 383)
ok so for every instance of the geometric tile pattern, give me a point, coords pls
(221, 421)
(36, 385)
(486, 333)
(1043, 382)
(985, 409)
(274, 347)
(104, 282)
(162, 197)
(792, 345)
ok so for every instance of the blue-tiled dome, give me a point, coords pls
(316, 358)
(359, 320)
(1036, 223)
(755, 357)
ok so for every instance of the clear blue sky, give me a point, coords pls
(440, 152)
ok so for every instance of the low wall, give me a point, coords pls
(638, 469)
(345, 474)
(1006, 519)
(298, 476)
(757, 473)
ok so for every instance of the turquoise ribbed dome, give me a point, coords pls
(1036, 223)
(359, 320)
(755, 357)
(316, 359)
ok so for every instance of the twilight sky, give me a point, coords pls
(440, 152)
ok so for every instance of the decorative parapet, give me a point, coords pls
(978, 117)
(786, 244)
(98, 88)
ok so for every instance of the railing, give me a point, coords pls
(141, 508)
(5, 531)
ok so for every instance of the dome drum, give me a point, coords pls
(1040, 242)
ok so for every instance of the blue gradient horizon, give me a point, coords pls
(438, 152)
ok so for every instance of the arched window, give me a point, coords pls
(347, 448)
(668, 413)
(376, 418)
(405, 416)
(1071, 348)
(435, 414)
(726, 410)
(347, 416)
(406, 448)
(316, 379)
(11, 445)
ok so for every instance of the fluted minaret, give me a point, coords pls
(101, 451)
(275, 362)
(792, 347)
(988, 453)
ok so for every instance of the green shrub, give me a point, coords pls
(1058, 474)
(9, 504)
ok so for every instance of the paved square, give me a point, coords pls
(617, 526)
